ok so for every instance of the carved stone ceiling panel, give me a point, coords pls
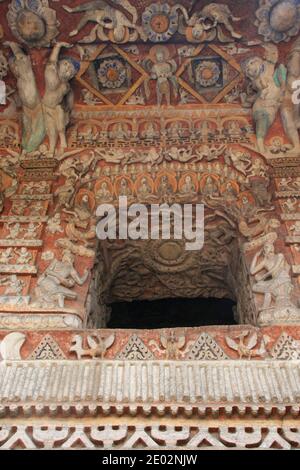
(164, 268)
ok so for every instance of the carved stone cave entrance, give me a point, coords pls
(134, 280)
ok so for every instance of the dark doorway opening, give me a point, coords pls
(172, 313)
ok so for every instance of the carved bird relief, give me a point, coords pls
(245, 348)
(171, 345)
(97, 346)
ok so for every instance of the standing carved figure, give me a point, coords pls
(58, 97)
(33, 131)
(290, 112)
(3, 73)
(162, 69)
(268, 82)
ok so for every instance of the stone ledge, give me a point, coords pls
(120, 387)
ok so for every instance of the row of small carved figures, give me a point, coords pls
(134, 170)
(82, 140)
(92, 142)
(158, 134)
(187, 186)
(16, 256)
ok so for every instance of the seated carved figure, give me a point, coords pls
(275, 282)
(104, 194)
(188, 187)
(54, 285)
(144, 191)
(124, 188)
(165, 189)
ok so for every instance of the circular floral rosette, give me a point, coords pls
(33, 22)
(207, 73)
(112, 73)
(278, 20)
(160, 22)
(167, 256)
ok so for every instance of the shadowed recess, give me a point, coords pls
(172, 313)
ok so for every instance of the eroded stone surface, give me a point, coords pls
(151, 104)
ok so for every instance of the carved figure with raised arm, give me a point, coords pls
(55, 284)
(33, 129)
(58, 97)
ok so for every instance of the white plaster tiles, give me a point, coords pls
(151, 383)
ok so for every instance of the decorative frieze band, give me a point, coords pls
(33, 320)
(192, 344)
(32, 197)
(20, 243)
(142, 436)
(23, 218)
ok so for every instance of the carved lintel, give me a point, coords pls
(287, 194)
(295, 216)
(23, 218)
(17, 269)
(292, 239)
(284, 162)
(39, 164)
(40, 175)
(32, 197)
(21, 242)
(282, 172)
(35, 320)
